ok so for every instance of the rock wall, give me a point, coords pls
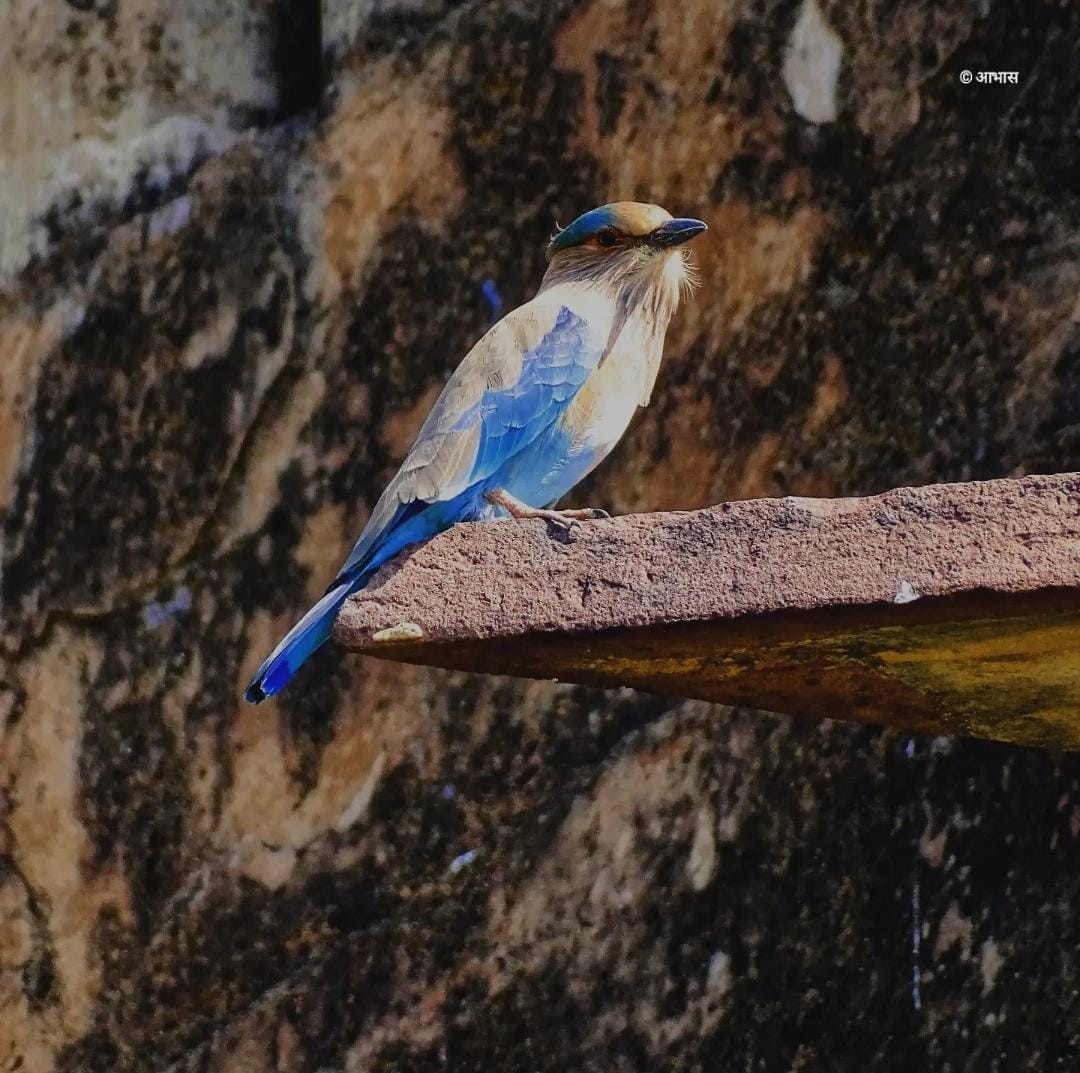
(240, 253)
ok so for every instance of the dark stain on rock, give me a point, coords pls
(558, 1027)
(37, 970)
(96, 485)
(96, 1052)
(323, 942)
(135, 803)
(305, 712)
(39, 979)
(516, 114)
(396, 31)
(610, 89)
(297, 55)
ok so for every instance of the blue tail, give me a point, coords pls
(307, 635)
(412, 523)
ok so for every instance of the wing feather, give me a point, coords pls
(516, 382)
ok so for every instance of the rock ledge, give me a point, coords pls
(944, 609)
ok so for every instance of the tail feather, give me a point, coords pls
(306, 636)
(412, 523)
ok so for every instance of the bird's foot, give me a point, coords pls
(581, 514)
(565, 521)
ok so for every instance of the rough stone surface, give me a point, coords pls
(727, 562)
(951, 608)
(206, 381)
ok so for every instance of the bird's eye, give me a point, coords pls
(607, 238)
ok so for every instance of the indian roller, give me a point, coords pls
(533, 408)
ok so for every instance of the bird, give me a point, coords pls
(532, 409)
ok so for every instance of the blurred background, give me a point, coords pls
(241, 248)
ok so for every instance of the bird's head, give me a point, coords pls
(625, 243)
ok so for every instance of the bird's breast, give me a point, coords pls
(605, 405)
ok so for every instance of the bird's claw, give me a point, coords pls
(565, 529)
(568, 522)
(563, 523)
(582, 514)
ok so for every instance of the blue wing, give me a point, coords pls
(512, 418)
(505, 394)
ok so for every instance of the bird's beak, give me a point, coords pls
(675, 233)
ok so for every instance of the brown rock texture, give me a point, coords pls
(239, 253)
(951, 608)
